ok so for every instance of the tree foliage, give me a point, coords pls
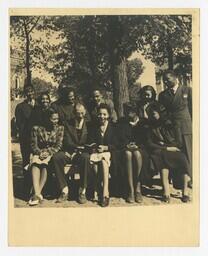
(91, 50)
(135, 68)
(26, 37)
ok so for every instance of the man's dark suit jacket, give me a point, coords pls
(71, 140)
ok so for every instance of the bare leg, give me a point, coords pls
(138, 167)
(186, 180)
(95, 180)
(105, 172)
(129, 169)
(36, 179)
(43, 178)
(165, 182)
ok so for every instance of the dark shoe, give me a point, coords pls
(138, 197)
(130, 199)
(185, 199)
(166, 199)
(62, 198)
(105, 201)
(82, 198)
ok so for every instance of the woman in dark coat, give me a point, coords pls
(165, 150)
(131, 136)
(103, 134)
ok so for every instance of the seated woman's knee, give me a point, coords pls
(128, 154)
(137, 154)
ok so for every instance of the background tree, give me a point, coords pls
(97, 49)
(87, 51)
(135, 68)
(167, 39)
(21, 33)
(41, 86)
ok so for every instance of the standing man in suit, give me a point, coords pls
(75, 136)
(23, 114)
(177, 99)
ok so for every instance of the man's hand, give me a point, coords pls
(131, 146)
(173, 149)
(102, 148)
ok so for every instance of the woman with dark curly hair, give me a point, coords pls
(147, 95)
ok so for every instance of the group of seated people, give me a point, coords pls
(100, 145)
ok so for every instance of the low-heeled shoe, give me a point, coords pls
(62, 198)
(138, 197)
(105, 201)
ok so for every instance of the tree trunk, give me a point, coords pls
(121, 93)
(170, 57)
(27, 61)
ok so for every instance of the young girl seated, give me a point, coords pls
(103, 134)
(164, 146)
(45, 141)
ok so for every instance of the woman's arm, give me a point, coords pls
(151, 144)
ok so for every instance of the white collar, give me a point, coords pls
(104, 128)
(175, 87)
(79, 125)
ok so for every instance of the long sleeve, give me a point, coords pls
(190, 100)
(122, 136)
(151, 144)
(20, 120)
(34, 141)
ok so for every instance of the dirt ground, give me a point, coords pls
(152, 194)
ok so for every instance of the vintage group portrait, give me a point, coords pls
(104, 123)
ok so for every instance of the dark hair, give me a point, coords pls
(169, 71)
(51, 111)
(148, 88)
(156, 106)
(98, 89)
(41, 95)
(64, 90)
(104, 106)
(129, 107)
(27, 88)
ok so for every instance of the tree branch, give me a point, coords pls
(31, 29)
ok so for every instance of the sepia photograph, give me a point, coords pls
(101, 110)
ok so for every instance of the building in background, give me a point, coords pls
(17, 73)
